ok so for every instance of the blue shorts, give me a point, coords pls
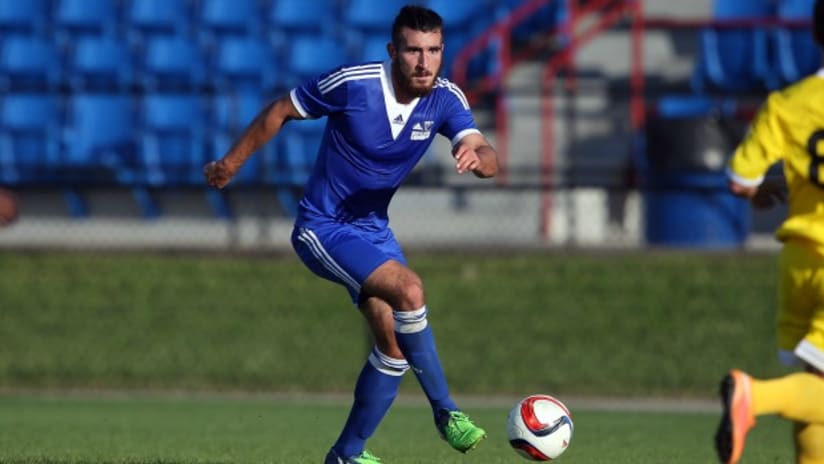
(345, 254)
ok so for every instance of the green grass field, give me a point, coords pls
(628, 324)
(180, 430)
(624, 324)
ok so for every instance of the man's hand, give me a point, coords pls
(770, 193)
(474, 154)
(218, 173)
(466, 159)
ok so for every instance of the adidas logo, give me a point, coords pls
(398, 119)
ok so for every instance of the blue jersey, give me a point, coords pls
(371, 141)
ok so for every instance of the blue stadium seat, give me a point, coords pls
(172, 147)
(157, 17)
(454, 14)
(23, 17)
(547, 21)
(373, 48)
(732, 9)
(688, 106)
(797, 53)
(297, 150)
(461, 25)
(231, 113)
(312, 55)
(244, 63)
(368, 20)
(99, 139)
(220, 140)
(294, 16)
(250, 173)
(100, 64)
(221, 18)
(173, 63)
(29, 135)
(288, 18)
(544, 19)
(455, 39)
(795, 9)
(372, 15)
(28, 63)
(734, 60)
(75, 18)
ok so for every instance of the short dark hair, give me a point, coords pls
(818, 22)
(417, 18)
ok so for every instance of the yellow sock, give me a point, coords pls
(809, 443)
(799, 397)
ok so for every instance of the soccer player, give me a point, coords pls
(789, 128)
(381, 118)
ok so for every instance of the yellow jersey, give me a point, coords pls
(789, 127)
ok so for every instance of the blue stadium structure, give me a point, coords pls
(797, 54)
(29, 138)
(23, 18)
(734, 59)
(140, 93)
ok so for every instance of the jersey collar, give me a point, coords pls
(397, 114)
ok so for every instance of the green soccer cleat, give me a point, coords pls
(457, 430)
(364, 458)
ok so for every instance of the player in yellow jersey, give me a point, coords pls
(788, 128)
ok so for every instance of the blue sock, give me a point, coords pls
(417, 343)
(375, 390)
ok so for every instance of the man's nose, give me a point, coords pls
(422, 60)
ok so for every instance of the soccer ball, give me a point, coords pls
(539, 428)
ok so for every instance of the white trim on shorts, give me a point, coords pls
(316, 247)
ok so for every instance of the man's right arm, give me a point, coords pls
(265, 126)
(763, 146)
(765, 195)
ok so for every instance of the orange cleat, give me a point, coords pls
(737, 418)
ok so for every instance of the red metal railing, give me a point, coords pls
(610, 12)
(499, 34)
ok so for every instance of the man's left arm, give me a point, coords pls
(474, 153)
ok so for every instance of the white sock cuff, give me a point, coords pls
(811, 354)
(386, 364)
(410, 321)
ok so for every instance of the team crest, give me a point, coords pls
(421, 131)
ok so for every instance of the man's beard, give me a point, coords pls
(406, 82)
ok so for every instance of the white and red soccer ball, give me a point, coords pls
(540, 427)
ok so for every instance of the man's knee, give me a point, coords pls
(411, 295)
(809, 443)
(398, 285)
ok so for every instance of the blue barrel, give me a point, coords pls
(694, 209)
(687, 202)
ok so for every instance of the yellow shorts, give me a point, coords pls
(801, 304)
